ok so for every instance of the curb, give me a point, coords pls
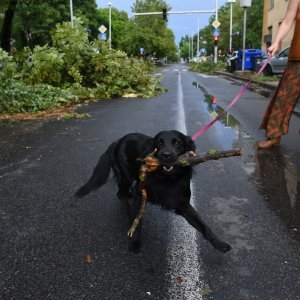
(268, 86)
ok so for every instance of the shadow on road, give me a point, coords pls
(280, 187)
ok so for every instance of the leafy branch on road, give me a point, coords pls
(208, 67)
(70, 71)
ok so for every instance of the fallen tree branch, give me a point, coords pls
(191, 159)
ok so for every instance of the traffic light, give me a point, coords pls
(165, 17)
(216, 38)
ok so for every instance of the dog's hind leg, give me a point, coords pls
(191, 215)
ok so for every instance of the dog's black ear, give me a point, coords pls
(190, 144)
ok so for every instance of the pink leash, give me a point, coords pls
(237, 97)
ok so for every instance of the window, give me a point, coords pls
(270, 29)
(284, 53)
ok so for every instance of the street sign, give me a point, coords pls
(216, 32)
(216, 24)
(102, 36)
(102, 28)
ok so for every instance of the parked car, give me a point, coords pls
(278, 63)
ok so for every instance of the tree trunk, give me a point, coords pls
(6, 35)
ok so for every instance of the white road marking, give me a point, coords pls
(184, 263)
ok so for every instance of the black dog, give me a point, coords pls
(166, 186)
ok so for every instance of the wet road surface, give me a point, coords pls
(56, 247)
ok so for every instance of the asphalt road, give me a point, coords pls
(54, 246)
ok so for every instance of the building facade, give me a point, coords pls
(274, 12)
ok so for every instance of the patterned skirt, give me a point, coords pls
(277, 116)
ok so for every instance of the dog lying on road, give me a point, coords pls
(167, 186)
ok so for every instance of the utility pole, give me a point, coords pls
(109, 29)
(192, 52)
(230, 26)
(71, 13)
(216, 46)
(245, 4)
(198, 38)
(189, 48)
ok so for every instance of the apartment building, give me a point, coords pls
(274, 12)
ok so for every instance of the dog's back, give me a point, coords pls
(121, 156)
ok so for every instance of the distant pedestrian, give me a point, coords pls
(277, 116)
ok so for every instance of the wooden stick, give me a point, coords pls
(189, 159)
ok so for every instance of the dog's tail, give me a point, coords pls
(100, 173)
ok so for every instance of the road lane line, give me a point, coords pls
(184, 264)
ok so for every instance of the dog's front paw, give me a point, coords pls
(222, 246)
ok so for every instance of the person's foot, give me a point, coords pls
(275, 141)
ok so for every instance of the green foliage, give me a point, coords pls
(263, 78)
(7, 65)
(150, 32)
(16, 96)
(207, 67)
(34, 19)
(76, 116)
(52, 76)
(43, 66)
(115, 74)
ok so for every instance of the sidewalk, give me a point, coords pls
(268, 87)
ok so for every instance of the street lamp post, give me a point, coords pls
(71, 13)
(230, 28)
(198, 39)
(245, 4)
(192, 48)
(109, 29)
(189, 48)
(216, 21)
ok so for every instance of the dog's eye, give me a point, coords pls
(160, 143)
(177, 143)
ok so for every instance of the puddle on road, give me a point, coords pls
(228, 129)
(274, 175)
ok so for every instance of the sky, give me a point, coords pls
(181, 24)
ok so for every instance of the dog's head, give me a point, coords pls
(171, 144)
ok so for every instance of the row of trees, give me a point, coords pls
(253, 36)
(29, 23)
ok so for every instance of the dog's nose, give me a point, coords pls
(166, 155)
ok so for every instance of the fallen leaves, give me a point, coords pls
(130, 95)
(205, 290)
(89, 259)
(179, 279)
